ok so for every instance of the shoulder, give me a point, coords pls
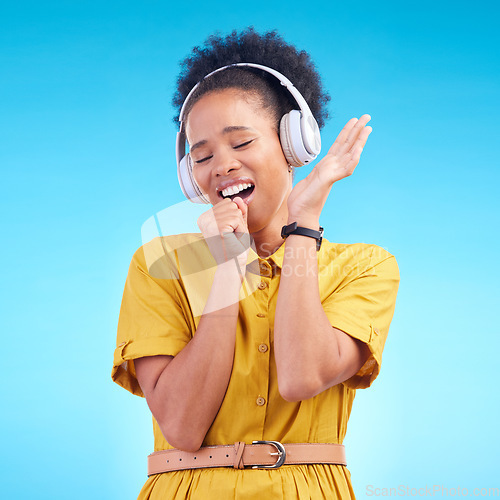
(353, 252)
(355, 258)
(168, 243)
(162, 256)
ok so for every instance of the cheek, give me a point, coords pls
(199, 177)
(202, 178)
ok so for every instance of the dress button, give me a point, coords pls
(262, 348)
(265, 269)
(261, 315)
(262, 285)
(261, 401)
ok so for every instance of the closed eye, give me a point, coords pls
(203, 159)
(243, 144)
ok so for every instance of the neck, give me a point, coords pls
(269, 239)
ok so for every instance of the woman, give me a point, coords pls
(276, 362)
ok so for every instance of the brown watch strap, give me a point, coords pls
(260, 454)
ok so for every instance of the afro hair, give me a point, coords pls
(268, 49)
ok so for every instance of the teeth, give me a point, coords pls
(231, 190)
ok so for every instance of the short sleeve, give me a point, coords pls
(155, 317)
(362, 305)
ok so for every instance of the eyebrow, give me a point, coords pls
(226, 130)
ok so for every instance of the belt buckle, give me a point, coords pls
(280, 452)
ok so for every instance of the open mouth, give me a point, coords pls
(243, 190)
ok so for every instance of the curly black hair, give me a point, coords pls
(268, 49)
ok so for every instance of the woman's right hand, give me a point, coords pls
(225, 230)
(185, 392)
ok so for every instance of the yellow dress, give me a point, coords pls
(168, 282)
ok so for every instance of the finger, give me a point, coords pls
(225, 206)
(223, 202)
(243, 208)
(357, 150)
(213, 222)
(222, 217)
(231, 216)
(354, 134)
(342, 137)
(362, 138)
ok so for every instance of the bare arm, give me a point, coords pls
(311, 355)
(185, 392)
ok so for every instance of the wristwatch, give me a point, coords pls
(293, 228)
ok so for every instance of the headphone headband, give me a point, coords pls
(304, 107)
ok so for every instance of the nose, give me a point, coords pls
(225, 163)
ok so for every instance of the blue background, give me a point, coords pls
(87, 156)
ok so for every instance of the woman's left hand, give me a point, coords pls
(308, 197)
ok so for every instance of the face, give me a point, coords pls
(235, 150)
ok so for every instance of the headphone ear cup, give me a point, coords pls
(292, 141)
(188, 185)
(311, 135)
(286, 142)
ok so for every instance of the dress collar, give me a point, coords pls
(269, 266)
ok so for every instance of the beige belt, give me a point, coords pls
(258, 455)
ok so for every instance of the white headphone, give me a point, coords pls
(299, 135)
